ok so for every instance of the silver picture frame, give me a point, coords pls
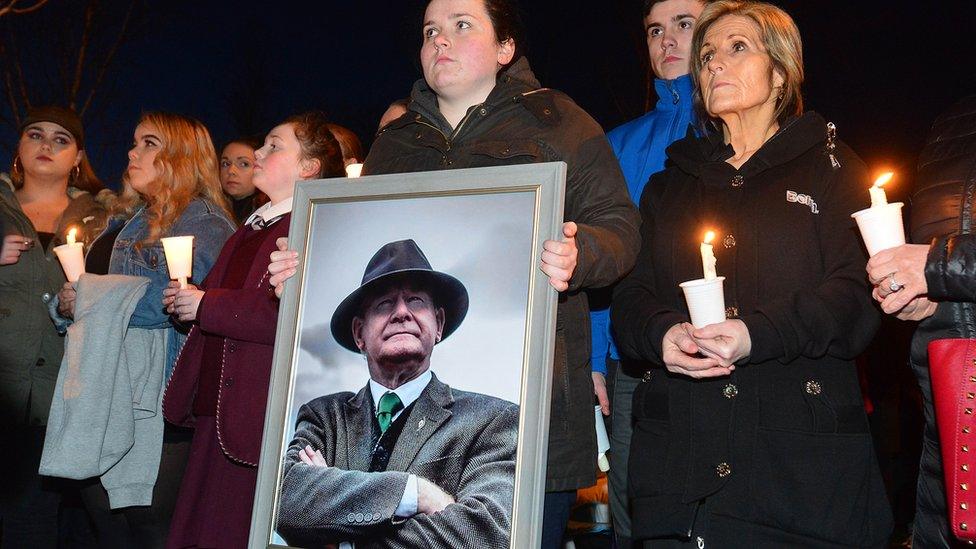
(457, 203)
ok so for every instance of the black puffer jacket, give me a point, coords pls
(942, 215)
(521, 123)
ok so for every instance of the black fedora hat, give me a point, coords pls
(401, 260)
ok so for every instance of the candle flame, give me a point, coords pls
(709, 237)
(72, 233)
(883, 179)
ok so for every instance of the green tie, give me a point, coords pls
(389, 405)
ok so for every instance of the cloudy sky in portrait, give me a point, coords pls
(485, 241)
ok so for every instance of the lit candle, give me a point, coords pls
(708, 256)
(71, 255)
(878, 198)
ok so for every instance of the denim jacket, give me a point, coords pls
(210, 228)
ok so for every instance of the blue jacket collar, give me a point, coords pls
(672, 93)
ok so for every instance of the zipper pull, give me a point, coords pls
(674, 93)
(831, 146)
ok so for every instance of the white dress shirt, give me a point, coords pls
(409, 392)
(270, 211)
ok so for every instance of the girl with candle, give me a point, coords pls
(751, 432)
(54, 190)
(220, 385)
(172, 188)
(479, 104)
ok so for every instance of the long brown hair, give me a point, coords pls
(186, 165)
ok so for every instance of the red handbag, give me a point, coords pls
(952, 367)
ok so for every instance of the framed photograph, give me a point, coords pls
(409, 401)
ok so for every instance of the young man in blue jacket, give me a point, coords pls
(640, 147)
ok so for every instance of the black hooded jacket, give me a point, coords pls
(522, 123)
(781, 448)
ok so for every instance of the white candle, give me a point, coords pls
(708, 256)
(354, 170)
(878, 198)
(71, 256)
(179, 257)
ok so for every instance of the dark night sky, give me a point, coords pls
(880, 70)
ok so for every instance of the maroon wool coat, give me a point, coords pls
(245, 320)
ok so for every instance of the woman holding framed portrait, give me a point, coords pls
(480, 105)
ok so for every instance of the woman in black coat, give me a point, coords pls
(751, 432)
(938, 279)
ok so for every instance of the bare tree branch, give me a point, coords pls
(107, 61)
(13, 9)
(82, 48)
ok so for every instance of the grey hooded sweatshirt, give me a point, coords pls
(105, 417)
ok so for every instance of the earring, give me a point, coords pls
(75, 174)
(16, 167)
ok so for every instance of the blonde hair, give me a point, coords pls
(186, 167)
(780, 38)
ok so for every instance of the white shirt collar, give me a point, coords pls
(270, 211)
(408, 392)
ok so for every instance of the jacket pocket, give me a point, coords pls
(650, 443)
(511, 152)
(148, 259)
(821, 485)
(445, 472)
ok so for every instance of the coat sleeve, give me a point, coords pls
(316, 503)
(641, 317)
(247, 314)
(482, 513)
(837, 316)
(950, 270)
(597, 200)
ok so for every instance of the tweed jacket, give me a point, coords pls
(463, 442)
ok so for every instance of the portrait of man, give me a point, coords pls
(407, 461)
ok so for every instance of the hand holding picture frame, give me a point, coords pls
(472, 431)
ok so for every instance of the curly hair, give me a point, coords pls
(318, 142)
(186, 168)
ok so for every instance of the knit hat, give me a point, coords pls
(66, 118)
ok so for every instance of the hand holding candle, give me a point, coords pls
(179, 257)
(71, 256)
(880, 225)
